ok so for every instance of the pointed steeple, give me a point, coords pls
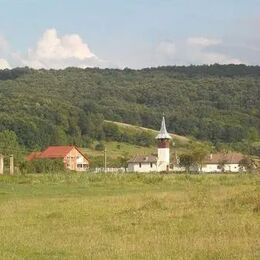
(163, 132)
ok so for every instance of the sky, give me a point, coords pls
(128, 33)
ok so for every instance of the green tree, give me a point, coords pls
(186, 160)
(246, 163)
(10, 146)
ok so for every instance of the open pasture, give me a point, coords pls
(130, 216)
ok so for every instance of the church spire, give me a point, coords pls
(163, 132)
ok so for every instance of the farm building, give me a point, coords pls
(223, 162)
(72, 157)
(218, 162)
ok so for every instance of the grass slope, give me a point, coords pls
(125, 126)
(118, 149)
(127, 216)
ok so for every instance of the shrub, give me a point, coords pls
(43, 166)
(100, 147)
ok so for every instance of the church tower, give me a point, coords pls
(163, 139)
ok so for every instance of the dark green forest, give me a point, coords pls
(217, 103)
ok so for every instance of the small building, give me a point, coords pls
(141, 163)
(223, 162)
(71, 156)
(217, 162)
(152, 163)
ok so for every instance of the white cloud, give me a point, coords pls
(54, 51)
(203, 41)
(193, 50)
(60, 51)
(3, 44)
(4, 64)
(200, 52)
(167, 48)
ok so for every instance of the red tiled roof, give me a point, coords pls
(230, 158)
(33, 156)
(56, 151)
(143, 159)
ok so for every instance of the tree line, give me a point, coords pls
(217, 103)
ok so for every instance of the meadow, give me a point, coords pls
(130, 216)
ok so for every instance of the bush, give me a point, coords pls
(42, 166)
(100, 147)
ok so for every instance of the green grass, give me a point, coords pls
(130, 216)
(117, 149)
(129, 127)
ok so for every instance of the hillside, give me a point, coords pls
(125, 126)
(218, 103)
(119, 152)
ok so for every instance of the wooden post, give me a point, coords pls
(11, 165)
(1, 164)
(105, 159)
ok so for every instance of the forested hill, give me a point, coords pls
(219, 103)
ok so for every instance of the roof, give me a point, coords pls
(56, 151)
(229, 158)
(163, 132)
(33, 156)
(143, 159)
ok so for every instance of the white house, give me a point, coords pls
(144, 163)
(218, 162)
(154, 163)
(223, 162)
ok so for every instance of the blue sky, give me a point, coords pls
(128, 33)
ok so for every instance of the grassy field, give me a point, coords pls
(130, 216)
(116, 149)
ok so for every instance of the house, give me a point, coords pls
(71, 156)
(143, 163)
(152, 163)
(223, 162)
(217, 162)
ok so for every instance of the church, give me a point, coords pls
(154, 163)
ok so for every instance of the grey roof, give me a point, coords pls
(143, 159)
(163, 132)
(228, 158)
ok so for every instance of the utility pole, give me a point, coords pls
(105, 159)
(1, 164)
(11, 164)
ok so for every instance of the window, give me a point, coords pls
(151, 165)
(140, 165)
(79, 165)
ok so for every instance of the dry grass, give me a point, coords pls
(130, 216)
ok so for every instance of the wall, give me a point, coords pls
(74, 160)
(145, 167)
(215, 168)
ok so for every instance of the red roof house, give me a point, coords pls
(72, 157)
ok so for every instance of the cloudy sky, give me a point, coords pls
(128, 33)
